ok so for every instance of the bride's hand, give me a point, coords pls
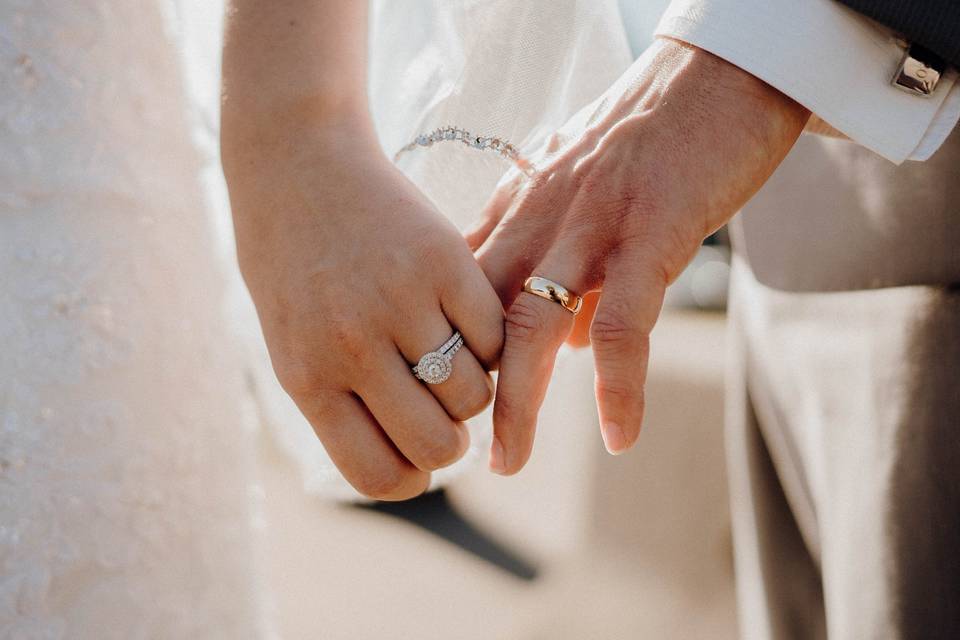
(355, 276)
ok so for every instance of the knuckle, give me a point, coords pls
(593, 182)
(436, 454)
(524, 319)
(296, 376)
(488, 351)
(300, 364)
(349, 338)
(431, 247)
(472, 402)
(434, 457)
(618, 389)
(539, 183)
(612, 327)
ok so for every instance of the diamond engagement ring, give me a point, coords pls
(435, 367)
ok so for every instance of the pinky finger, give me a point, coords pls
(360, 449)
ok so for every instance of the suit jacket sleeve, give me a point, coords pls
(935, 24)
(832, 59)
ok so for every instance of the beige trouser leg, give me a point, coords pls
(844, 452)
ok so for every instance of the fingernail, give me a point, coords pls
(613, 438)
(498, 462)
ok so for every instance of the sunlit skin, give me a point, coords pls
(355, 275)
(353, 272)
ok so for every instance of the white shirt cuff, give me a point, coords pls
(828, 58)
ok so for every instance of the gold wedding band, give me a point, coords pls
(550, 290)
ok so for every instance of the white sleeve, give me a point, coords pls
(828, 58)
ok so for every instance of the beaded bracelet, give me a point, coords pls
(505, 149)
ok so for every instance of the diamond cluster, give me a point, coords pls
(505, 149)
(436, 366)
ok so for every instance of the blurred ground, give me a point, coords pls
(636, 546)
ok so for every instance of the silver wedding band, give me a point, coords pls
(436, 366)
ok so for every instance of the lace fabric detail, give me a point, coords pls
(124, 462)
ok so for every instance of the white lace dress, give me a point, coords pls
(124, 429)
(131, 368)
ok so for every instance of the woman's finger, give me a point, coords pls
(410, 415)
(360, 449)
(471, 305)
(468, 389)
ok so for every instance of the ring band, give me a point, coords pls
(550, 290)
(435, 367)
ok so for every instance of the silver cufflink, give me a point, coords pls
(919, 71)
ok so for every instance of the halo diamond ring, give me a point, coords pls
(435, 367)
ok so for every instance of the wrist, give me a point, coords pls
(317, 125)
(726, 89)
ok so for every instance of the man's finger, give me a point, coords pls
(523, 237)
(535, 328)
(620, 334)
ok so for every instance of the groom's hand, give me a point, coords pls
(679, 144)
